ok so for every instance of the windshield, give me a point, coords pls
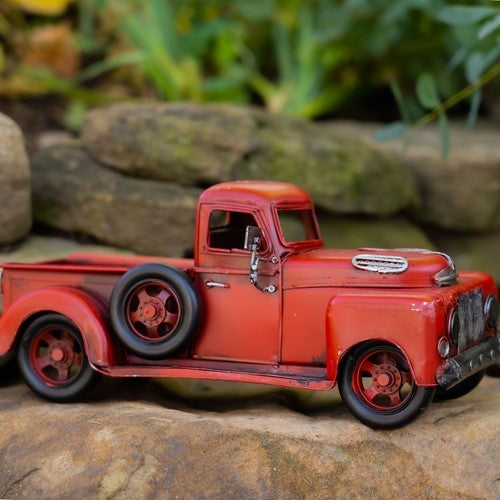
(298, 225)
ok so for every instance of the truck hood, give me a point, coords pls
(368, 267)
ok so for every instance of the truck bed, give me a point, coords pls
(101, 262)
(94, 272)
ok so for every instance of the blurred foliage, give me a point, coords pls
(476, 51)
(43, 7)
(306, 58)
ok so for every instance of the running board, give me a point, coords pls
(286, 376)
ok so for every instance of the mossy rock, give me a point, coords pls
(461, 193)
(205, 144)
(344, 231)
(342, 174)
(73, 193)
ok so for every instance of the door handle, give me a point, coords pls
(215, 284)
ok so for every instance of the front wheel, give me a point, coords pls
(52, 359)
(460, 389)
(378, 388)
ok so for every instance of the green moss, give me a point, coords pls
(341, 174)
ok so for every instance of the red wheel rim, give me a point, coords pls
(152, 310)
(382, 380)
(56, 356)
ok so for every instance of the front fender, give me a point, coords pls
(83, 309)
(412, 322)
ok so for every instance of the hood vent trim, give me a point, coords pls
(383, 264)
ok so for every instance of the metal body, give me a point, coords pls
(322, 303)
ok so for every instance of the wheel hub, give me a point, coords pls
(57, 354)
(152, 312)
(61, 354)
(386, 378)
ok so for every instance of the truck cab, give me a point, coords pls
(222, 266)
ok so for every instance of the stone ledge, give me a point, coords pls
(139, 439)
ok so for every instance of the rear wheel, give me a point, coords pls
(52, 359)
(460, 389)
(378, 388)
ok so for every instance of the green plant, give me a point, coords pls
(475, 33)
(175, 61)
(307, 58)
(300, 85)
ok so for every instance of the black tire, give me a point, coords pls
(493, 370)
(47, 334)
(460, 389)
(141, 302)
(6, 361)
(381, 413)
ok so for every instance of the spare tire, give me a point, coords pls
(155, 310)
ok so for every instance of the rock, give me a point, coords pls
(37, 248)
(341, 173)
(134, 439)
(185, 143)
(352, 232)
(344, 231)
(462, 193)
(472, 251)
(190, 143)
(54, 138)
(15, 197)
(71, 192)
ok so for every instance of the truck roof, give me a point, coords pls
(256, 192)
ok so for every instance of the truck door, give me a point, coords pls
(241, 323)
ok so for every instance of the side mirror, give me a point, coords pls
(253, 237)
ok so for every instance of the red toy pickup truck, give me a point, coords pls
(262, 301)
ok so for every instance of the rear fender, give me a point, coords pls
(84, 310)
(413, 323)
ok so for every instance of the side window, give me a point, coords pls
(227, 229)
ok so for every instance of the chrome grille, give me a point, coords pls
(471, 318)
(380, 263)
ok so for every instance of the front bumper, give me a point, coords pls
(477, 358)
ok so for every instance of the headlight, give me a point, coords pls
(454, 327)
(443, 347)
(491, 312)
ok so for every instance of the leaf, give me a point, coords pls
(161, 23)
(474, 67)
(427, 93)
(392, 131)
(489, 27)
(403, 109)
(462, 15)
(196, 41)
(115, 62)
(283, 48)
(475, 102)
(330, 98)
(491, 56)
(457, 59)
(444, 133)
(75, 115)
(257, 10)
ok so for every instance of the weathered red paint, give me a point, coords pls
(297, 336)
(82, 308)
